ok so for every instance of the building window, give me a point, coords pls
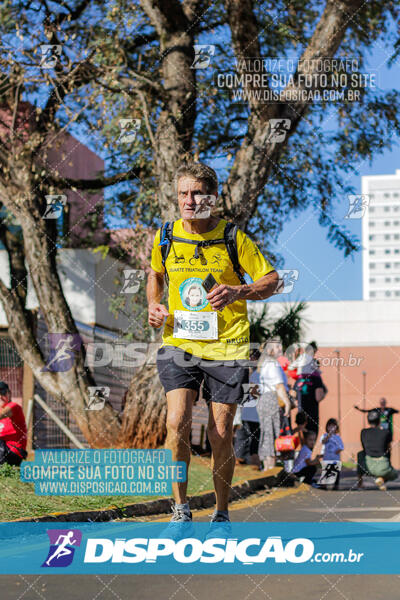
(397, 265)
(386, 195)
(387, 265)
(397, 293)
(387, 237)
(387, 251)
(386, 209)
(372, 266)
(397, 279)
(373, 294)
(372, 224)
(396, 236)
(371, 237)
(387, 280)
(387, 223)
(397, 251)
(372, 251)
(372, 209)
(372, 279)
(396, 208)
(387, 293)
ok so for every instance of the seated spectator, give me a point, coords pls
(12, 429)
(374, 459)
(305, 466)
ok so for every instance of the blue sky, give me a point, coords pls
(324, 273)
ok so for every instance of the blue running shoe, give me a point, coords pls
(180, 526)
(220, 527)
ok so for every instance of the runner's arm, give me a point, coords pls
(154, 291)
(261, 289)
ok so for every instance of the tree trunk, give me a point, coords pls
(143, 421)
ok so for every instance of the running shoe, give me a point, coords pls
(380, 483)
(180, 526)
(220, 527)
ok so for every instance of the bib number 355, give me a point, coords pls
(195, 325)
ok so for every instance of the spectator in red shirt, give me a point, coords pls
(12, 429)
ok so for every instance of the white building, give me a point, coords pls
(381, 237)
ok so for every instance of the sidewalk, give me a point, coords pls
(242, 489)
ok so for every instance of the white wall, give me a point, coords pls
(88, 281)
(347, 323)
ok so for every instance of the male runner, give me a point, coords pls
(208, 342)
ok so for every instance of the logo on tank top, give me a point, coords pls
(193, 295)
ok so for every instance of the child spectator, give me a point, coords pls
(301, 426)
(332, 444)
(305, 466)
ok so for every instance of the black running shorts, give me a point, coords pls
(223, 380)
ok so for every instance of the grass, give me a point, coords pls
(18, 499)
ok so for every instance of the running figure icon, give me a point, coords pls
(62, 550)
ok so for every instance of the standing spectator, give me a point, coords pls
(272, 388)
(309, 386)
(332, 445)
(12, 429)
(248, 433)
(374, 459)
(305, 466)
(386, 415)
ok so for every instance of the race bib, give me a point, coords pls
(195, 325)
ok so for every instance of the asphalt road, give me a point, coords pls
(346, 504)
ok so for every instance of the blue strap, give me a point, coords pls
(164, 238)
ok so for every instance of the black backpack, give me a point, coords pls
(229, 239)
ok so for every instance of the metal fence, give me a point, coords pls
(11, 366)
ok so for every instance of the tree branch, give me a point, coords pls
(257, 156)
(95, 184)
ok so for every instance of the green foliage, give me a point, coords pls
(9, 472)
(289, 326)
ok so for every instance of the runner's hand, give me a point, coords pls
(157, 314)
(222, 295)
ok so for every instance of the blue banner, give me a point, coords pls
(153, 548)
(103, 472)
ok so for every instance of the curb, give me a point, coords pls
(160, 506)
